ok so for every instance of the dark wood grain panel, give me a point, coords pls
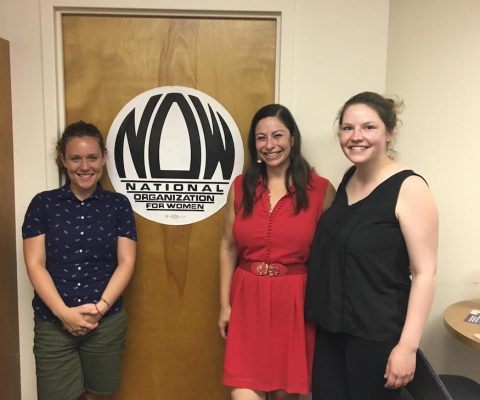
(9, 347)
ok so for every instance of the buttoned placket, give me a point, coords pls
(81, 240)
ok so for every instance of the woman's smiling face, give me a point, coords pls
(363, 135)
(273, 142)
(84, 161)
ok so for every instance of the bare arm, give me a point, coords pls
(126, 255)
(418, 217)
(73, 318)
(228, 259)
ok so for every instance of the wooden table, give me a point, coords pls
(454, 319)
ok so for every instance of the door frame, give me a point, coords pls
(53, 10)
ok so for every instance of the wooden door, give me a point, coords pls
(174, 350)
(9, 350)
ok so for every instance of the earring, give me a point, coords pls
(259, 161)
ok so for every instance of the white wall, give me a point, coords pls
(332, 50)
(434, 64)
(20, 24)
(340, 50)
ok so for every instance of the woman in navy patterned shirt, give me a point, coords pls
(79, 247)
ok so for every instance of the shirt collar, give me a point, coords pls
(66, 193)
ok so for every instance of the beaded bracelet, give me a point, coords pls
(98, 311)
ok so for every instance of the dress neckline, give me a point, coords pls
(268, 203)
(349, 175)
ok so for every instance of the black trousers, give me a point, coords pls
(349, 368)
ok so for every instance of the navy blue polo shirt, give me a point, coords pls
(80, 241)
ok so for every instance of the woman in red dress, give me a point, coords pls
(271, 214)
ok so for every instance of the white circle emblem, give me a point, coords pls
(174, 152)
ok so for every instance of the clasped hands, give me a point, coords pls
(80, 320)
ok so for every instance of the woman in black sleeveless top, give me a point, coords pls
(372, 266)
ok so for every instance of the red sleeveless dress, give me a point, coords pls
(269, 344)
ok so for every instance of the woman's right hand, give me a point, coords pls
(74, 319)
(223, 320)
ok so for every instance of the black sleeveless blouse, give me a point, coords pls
(359, 269)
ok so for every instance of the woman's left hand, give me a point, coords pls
(92, 318)
(76, 319)
(101, 309)
(400, 366)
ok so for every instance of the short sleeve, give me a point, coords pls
(125, 220)
(35, 221)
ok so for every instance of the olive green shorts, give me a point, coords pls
(67, 365)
